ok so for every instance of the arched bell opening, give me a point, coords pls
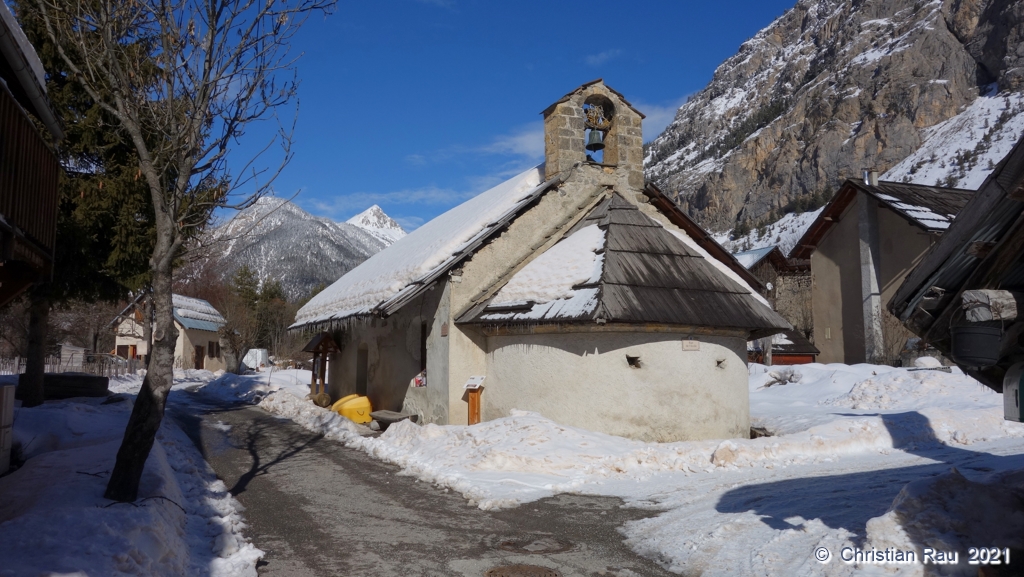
(598, 114)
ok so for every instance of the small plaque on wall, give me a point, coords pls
(444, 330)
(691, 345)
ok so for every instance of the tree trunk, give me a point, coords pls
(147, 327)
(30, 385)
(148, 412)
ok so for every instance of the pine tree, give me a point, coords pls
(104, 217)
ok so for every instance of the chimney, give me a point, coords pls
(870, 177)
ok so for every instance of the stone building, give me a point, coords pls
(572, 290)
(861, 247)
(786, 282)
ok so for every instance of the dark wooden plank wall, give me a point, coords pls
(29, 175)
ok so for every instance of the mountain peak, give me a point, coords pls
(375, 217)
(375, 221)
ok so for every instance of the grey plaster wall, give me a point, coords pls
(835, 292)
(584, 380)
(393, 349)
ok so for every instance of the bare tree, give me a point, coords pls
(183, 79)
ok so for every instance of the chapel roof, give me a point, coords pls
(635, 271)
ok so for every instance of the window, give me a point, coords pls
(213, 349)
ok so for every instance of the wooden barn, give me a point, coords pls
(29, 170)
(980, 252)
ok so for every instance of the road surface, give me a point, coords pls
(319, 509)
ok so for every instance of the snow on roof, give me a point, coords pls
(193, 313)
(415, 258)
(10, 24)
(544, 287)
(924, 215)
(751, 257)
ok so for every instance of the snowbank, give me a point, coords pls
(860, 457)
(54, 519)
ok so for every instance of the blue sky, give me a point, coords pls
(416, 105)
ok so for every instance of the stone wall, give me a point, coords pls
(793, 301)
(565, 130)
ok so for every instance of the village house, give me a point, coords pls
(198, 323)
(965, 295)
(861, 247)
(29, 170)
(786, 285)
(572, 289)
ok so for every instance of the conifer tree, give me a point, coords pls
(182, 80)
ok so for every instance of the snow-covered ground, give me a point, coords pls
(55, 521)
(861, 458)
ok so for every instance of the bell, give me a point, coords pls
(595, 142)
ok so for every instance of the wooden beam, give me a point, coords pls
(980, 249)
(1017, 193)
(986, 275)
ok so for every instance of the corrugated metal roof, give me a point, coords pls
(193, 313)
(650, 276)
(749, 258)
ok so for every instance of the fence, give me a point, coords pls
(102, 364)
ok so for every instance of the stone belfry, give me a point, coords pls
(595, 107)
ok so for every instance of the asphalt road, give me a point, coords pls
(319, 509)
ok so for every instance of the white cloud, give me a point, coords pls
(601, 58)
(527, 141)
(658, 116)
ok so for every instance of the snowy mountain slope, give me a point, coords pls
(280, 241)
(784, 232)
(829, 88)
(374, 221)
(962, 151)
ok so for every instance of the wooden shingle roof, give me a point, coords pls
(931, 208)
(648, 275)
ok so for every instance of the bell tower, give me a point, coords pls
(596, 121)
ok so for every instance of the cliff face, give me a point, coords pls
(829, 88)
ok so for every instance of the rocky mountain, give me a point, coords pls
(380, 225)
(280, 241)
(926, 90)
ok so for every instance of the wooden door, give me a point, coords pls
(200, 356)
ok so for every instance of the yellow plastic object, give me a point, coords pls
(357, 409)
(337, 404)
